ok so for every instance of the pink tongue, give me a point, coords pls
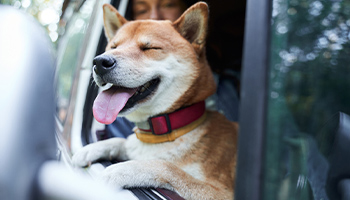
(108, 104)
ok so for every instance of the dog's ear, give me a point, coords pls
(193, 23)
(112, 20)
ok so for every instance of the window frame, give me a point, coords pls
(249, 174)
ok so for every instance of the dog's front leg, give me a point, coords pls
(107, 149)
(163, 174)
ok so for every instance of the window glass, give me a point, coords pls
(69, 55)
(309, 82)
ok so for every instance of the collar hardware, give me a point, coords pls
(152, 121)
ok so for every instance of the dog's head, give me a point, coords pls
(152, 67)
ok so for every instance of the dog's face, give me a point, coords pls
(151, 67)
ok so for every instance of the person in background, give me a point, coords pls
(225, 100)
(157, 9)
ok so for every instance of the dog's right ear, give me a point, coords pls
(112, 20)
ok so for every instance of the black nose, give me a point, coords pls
(104, 64)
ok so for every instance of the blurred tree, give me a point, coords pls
(47, 12)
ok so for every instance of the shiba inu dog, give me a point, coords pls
(158, 77)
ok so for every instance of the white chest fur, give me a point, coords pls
(169, 151)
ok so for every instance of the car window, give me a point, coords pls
(69, 57)
(308, 84)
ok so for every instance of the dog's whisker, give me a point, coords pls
(92, 82)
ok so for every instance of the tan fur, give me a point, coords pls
(198, 165)
(163, 31)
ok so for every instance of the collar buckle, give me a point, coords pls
(158, 117)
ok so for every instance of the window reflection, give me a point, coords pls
(68, 58)
(309, 83)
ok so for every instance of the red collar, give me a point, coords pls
(166, 123)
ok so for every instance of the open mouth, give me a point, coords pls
(110, 102)
(141, 93)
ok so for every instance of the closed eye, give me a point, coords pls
(150, 48)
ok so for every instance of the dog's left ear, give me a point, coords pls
(112, 20)
(192, 25)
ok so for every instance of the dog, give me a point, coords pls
(158, 76)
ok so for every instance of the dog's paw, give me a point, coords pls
(106, 149)
(88, 154)
(134, 174)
